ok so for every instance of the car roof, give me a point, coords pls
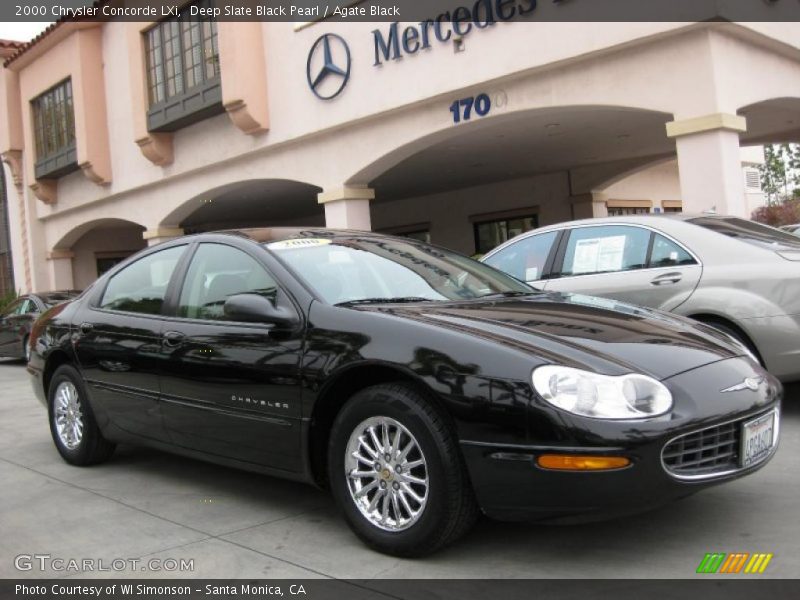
(652, 219)
(275, 234)
(56, 296)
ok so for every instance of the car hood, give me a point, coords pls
(587, 332)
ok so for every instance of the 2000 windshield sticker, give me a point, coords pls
(298, 243)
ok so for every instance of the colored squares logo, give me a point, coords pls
(737, 562)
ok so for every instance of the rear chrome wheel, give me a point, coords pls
(67, 415)
(77, 437)
(387, 473)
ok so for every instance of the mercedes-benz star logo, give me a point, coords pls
(328, 66)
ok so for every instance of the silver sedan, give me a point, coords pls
(736, 275)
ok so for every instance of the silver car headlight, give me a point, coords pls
(589, 394)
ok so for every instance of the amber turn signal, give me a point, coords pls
(568, 462)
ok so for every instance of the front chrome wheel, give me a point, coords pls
(68, 416)
(387, 474)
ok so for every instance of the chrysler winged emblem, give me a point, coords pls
(751, 383)
(328, 66)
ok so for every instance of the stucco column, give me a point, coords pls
(161, 234)
(709, 163)
(60, 262)
(588, 206)
(347, 207)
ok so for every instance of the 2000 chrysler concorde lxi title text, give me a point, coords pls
(419, 385)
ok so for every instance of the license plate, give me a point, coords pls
(757, 440)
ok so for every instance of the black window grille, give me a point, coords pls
(182, 71)
(54, 131)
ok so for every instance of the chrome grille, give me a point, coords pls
(705, 452)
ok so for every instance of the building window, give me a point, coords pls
(620, 211)
(106, 263)
(672, 206)
(422, 235)
(182, 71)
(752, 180)
(54, 131)
(493, 232)
(416, 231)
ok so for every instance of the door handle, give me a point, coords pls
(173, 339)
(86, 328)
(666, 278)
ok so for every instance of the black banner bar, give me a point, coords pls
(476, 11)
(711, 588)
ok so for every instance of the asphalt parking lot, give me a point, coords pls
(144, 504)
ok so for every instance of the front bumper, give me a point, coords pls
(509, 485)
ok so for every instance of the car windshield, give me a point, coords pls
(371, 269)
(749, 231)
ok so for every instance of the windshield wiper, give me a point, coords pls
(504, 294)
(397, 300)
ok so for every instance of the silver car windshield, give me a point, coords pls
(748, 231)
(373, 270)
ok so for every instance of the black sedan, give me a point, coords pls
(16, 320)
(420, 386)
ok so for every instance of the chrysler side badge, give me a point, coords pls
(751, 383)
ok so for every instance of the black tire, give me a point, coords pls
(92, 447)
(450, 509)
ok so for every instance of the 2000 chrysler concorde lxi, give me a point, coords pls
(419, 385)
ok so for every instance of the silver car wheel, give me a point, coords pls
(67, 415)
(386, 473)
(27, 349)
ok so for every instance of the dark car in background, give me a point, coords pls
(420, 386)
(16, 320)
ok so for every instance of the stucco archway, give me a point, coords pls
(771, 121)
(250, 203)
(539, 165)
(89, 249)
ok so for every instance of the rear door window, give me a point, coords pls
(526, 258)
(142, 286)
(667, 253)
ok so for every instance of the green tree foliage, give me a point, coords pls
(780, 173)
(8, 298)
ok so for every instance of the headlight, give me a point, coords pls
(602, 396)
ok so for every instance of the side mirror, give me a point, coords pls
(254, 308)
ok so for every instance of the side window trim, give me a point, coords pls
(547, 270)
(649, 256)
(558, 262)
(175, 287)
